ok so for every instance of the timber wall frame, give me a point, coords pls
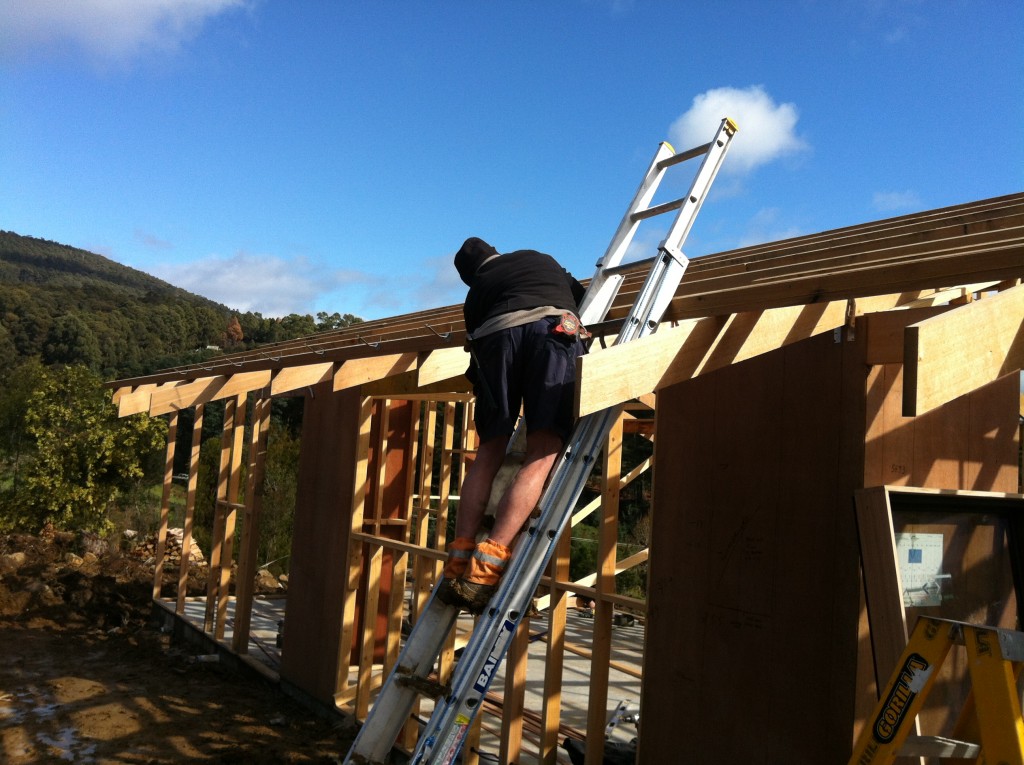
(941, 290)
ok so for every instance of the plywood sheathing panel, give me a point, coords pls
(319, 556)
(949, 355)
(968, 443)
(752, 599)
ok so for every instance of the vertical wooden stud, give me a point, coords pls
(597, 707)
(219, 511)
(553, 667)
(165, 505)
(190, 507)
(234, 474)
(249, 545)
(515, 694)
(355, 554)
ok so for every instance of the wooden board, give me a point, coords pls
(752, 601)
(293, 378)
(237, 384)
(135, 401)
(674, 354)
(319, 556)
(442, 364)
(358, 371)
(178, 397)
(952, 354)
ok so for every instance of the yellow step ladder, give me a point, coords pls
(991, 716)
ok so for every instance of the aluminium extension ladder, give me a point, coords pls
(456, 705)
(990, 717)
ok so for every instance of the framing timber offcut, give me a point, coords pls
(785, 378)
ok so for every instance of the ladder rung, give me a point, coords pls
(938, 746)
(675, 159)
(623, 268)
(424, 685)
(651, 212)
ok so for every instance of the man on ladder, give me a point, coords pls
(524, 336)
(457, 704)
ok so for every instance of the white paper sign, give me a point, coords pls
(919, 557)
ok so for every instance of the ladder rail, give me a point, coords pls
(604, 285)
(392, 710)
(992, 711)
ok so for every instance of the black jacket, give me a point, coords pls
(515, 281)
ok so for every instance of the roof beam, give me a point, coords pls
(882, 277)
(360, 371)
(164, 400)
(406, 387)
(698, 346)
(293, 378)
(949, 355)
(443, 364)
(971, 243)
(136, 401)
(175, 398)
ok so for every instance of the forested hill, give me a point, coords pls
(27, 260)
(64, 305)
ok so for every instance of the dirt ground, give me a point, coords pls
(85, 677)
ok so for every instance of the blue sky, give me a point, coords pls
(307, 156)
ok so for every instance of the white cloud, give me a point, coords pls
(433, 285)
(766, 226)
(152, 241)
(895, 201)
(105, 29)
(273, 286)
(440, 285)
(767, 130)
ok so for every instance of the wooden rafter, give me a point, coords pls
(443, 364)
(305, 376)
(169, 401)
(178, 397)
(973, 243)
(135, 400)
(359, 371)
(695, 347)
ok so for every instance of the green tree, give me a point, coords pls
(85, 456)
(70, 341)
(16, 444)
(280, 483)
(326, 322)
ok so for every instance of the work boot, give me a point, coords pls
(480, 582)
(469, 596)
(459, 553)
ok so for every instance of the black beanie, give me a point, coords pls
(471, 256)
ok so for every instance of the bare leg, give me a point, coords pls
(476, 487)
(519, 500)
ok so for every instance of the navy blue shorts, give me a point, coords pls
(529, 366)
